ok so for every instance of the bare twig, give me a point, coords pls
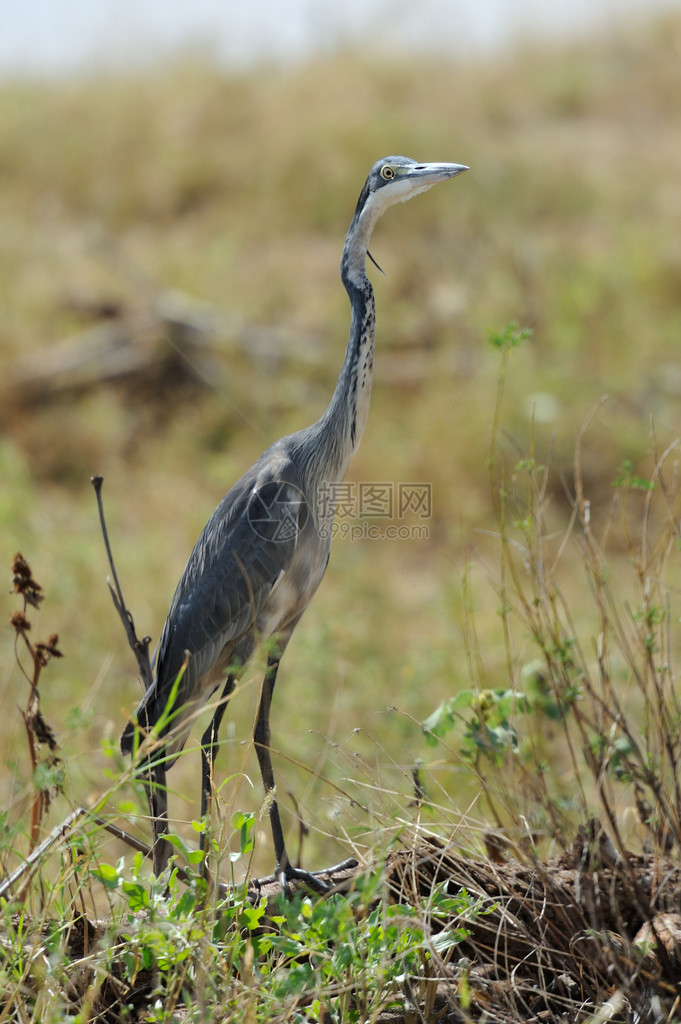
(62, 831)
(140, 648)
(339, 876)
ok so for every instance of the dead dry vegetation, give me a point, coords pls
(517, 823)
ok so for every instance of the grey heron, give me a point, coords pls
(264, 551)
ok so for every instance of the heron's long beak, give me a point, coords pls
(439, 172)
(416, 178)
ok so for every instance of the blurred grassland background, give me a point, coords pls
(229, 195)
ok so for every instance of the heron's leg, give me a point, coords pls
(261, 737)
(157, 794)
(284, 869)
(209, 746)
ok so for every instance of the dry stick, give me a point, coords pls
(33, 683)
(33, 703)
(140, 648)
(37, 804)
(340, 874)
(60, 832)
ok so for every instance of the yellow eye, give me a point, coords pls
(387, 172)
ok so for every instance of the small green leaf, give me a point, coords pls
(138, 897)
(238, 820)
(627, 478)
(511, 336)
(108, 875)
(184, 905)
(127, 807)
(439, 723)
(250, 917)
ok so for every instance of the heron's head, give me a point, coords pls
(395, 179)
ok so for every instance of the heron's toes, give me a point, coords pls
(306, 879)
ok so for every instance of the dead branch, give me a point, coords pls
(339, 877)
(140, 648)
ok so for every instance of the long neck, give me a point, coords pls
(342, 425)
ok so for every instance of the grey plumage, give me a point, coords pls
(264, 550)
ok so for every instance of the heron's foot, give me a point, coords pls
(287, 874)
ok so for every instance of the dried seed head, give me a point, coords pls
(44, 733)
(20, 567)
(23, 581)
(51, 645)
(48, 650)
(19, 622)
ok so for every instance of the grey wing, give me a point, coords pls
(246, 546)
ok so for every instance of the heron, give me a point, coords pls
(264, 551)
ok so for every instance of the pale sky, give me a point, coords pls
(61, 35)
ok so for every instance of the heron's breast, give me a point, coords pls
(292, 593)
